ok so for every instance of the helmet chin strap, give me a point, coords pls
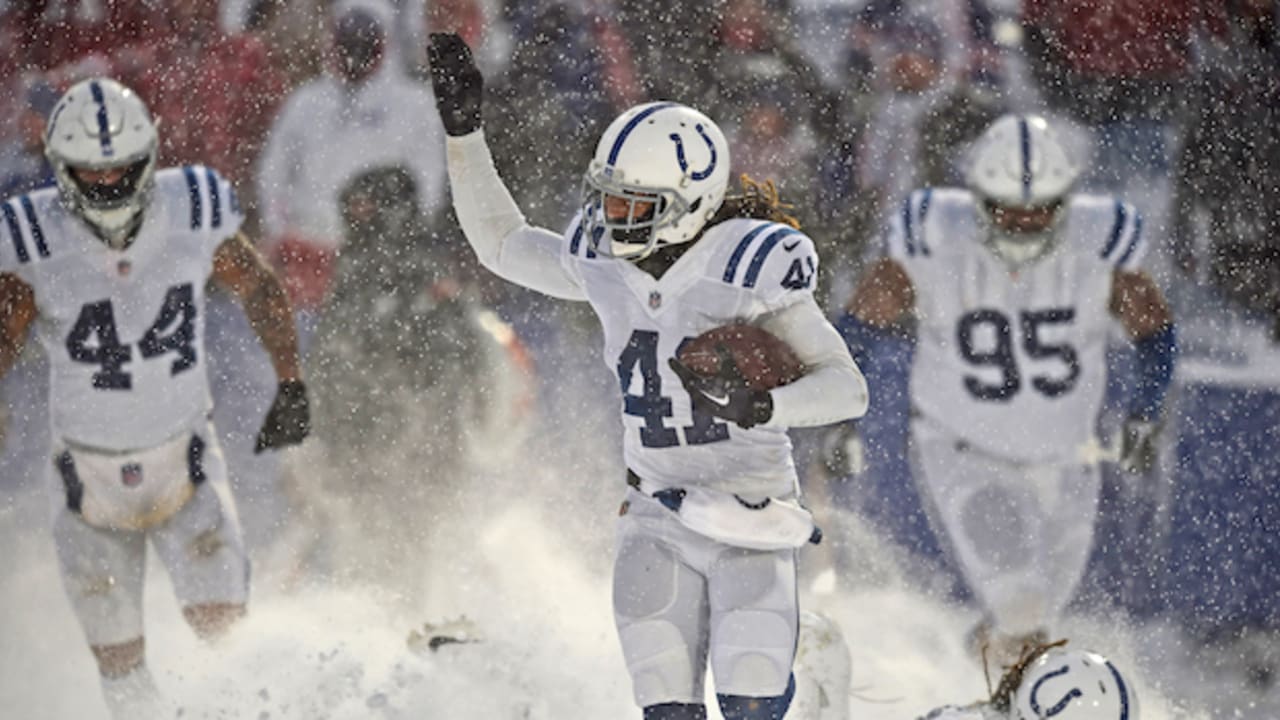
(117, 228)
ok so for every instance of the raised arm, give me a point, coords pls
(495, 227)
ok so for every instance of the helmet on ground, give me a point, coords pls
(659, 173)
(1021, 175)
(100, 125)
(1074, 685)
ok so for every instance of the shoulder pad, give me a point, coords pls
(905, 236)
(772, 258)
(24, 228)
(579, 245)
(1123, 246)
(209, 201)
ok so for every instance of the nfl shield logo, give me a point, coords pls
(655, 299)
(131, 474)
(123, 267)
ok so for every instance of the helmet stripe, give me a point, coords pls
(104, 125)
(1024, 135)
(1122, 689)
(15, 233)
(631, 126)
(37, 234)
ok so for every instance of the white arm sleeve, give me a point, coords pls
(503, 240)
(833, 388)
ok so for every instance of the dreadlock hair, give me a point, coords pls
(758, 200)
(1002, 696)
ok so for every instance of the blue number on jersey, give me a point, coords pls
(653, 406)
(1001, 356)
(94, 339)
(98, 323)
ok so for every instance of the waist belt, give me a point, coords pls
(673, 498)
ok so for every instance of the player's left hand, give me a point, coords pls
(289, 419)
(725, 394)
(1138, 445)
(457, 83)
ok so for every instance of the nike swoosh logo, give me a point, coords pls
(790, 247)
(721, 400)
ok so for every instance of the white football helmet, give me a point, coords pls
(662, 153)
(1020, 164)
(100, 124)
(1074, 685)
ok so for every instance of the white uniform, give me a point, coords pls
(683, 598)
(1007, 385)
(129, 396)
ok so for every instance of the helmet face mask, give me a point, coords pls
(1021, 175)
(659, 173)
(100, 126)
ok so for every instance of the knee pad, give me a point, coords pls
(675, 711)
(741, 707)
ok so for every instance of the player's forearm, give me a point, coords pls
(825, 395)
(833, 388)
(271, 318)
(496, 228)
(10, 351)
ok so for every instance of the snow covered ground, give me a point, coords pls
(537, 588)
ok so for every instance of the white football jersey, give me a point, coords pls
(123, 330)
(1013, 362)
(739, 270)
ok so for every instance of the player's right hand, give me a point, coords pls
(289, 419)
(458, 84)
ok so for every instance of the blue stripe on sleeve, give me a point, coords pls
(193, 187)
(1116, 231)
(757, 262)
(732, 268)
(908, 234)
(1133, 241)
(924, 211)
(215, 202)
(15, 232)
(37, 234)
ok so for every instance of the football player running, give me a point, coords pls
(113, 262)
(705, 568)
(1014, 283)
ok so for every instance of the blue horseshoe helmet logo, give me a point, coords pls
(1059, 706)
(704, 173)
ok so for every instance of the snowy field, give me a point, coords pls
(537, 589)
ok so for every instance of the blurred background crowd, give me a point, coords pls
(320, 113)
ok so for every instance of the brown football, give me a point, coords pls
(765, 361)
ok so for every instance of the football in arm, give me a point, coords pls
(765, 361)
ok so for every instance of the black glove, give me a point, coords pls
(1138, 445)
(289, 419)
(457, 82)
(725, 394)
